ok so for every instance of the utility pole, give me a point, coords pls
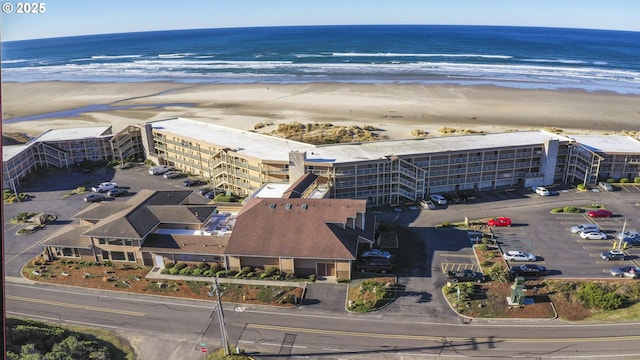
(215, 290)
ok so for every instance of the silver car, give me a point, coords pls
(626, 271)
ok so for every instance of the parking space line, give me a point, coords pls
(457, 267)
(456, 255)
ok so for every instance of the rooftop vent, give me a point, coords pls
(272, 205)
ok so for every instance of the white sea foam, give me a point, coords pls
(355, 54)
(110, 57)
(288, 71)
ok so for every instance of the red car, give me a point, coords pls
(501, 221)
(599, 213)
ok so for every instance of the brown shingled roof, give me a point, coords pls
(69, 236)
(299, 228)
(186, 244)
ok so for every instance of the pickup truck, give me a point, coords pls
(104, 187)
(465, 275)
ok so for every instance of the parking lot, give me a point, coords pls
(49, 190)
(536, 230)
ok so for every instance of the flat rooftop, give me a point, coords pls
(75, 133)
(608, 143)
(276, 149)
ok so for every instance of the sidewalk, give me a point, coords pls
(155, 274)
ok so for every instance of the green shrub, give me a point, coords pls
(164, 271)
(203, 266)
(180, 266)
(611, 180)
(174, 271)
(624, 180)
(498, 272)
(557, 210)
(215, 267)
(636, 180)
(251, 274)
(313, 277)
(246, 270)
(343, 280)
(224, 198)
(486, 263)
(571, 209)
(208, 273)
(169, 265)
(231, 272)
(290, 276)
(263, 275)
(270, 270)
(197, 272)
(596, 296)
(483, 247)
(221, 273)
(581, 187)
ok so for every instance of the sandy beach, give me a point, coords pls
(397, 109)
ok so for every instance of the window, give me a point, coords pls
(67, 252)
(118, 256)
(131, 256)
(102, 241)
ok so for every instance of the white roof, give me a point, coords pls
(74, 133)
(272, 190)
(272, 148)
(608, 143)
(9, 151)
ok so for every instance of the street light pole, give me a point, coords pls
(223, 330)
(624, 226)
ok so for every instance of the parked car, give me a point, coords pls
(501, 221)
(466, 275)
(104, 187)
(631, 241)
(626, 271)
(159, 170)
(438, 199)
(594, 235)
(376, 253)
(192, 182)
(527, 270)
(427, 204)
(375, 264)
(209, 194)
(584, 228)
(117, 192)
(612, 255)
(518, 256)
(542, 191)
(628, 235)
(94, 198)
(599, 213)
(173, 174)
(605, 186)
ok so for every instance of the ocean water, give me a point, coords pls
(505, 56)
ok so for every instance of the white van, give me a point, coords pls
(584, 228)
(605, 186)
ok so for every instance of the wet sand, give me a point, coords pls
(397, 109)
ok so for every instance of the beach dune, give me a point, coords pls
(397, 109)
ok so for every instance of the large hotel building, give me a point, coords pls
(379, 172)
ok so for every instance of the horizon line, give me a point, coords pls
(317, 25)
